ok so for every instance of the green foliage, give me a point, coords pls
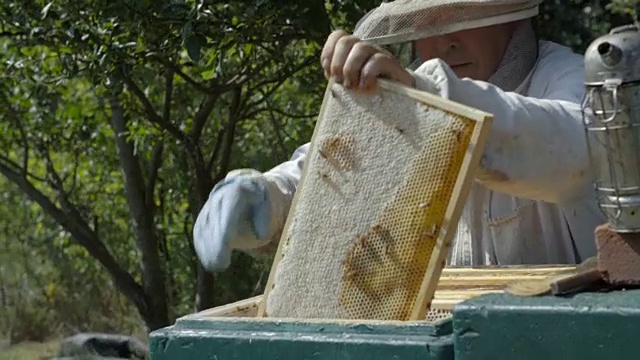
(118, 118)
(30, 351)
(625, 7)
(576, 24)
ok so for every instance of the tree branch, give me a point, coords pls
(153, 116)
(13, 117)
(83, 234)
(12, 164)
(156, 155)
(12, 34)
(74, 175)
(176, 69)
(225, 158)
(277, 130)
(56, 181)
(289, 115)
(168, 95)
(202, 115)
(25, 147)
(216, 151)
(156, 162)
(276, 83)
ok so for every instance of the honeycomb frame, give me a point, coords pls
(337, 150)
(456, 284)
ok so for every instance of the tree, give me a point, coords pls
(91, 88)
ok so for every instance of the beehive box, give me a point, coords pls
(234, 332)
(214, 335)
(586, 326)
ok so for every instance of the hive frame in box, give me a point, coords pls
(232, 331)
(455, 285)
(454, 207)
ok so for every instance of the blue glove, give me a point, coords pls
(236, 216)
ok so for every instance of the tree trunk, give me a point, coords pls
(205, 298)
(142, 213)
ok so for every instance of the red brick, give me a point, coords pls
(618, 256)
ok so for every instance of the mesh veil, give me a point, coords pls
(408, 20)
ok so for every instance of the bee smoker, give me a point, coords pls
(612, 72)
(611, 113)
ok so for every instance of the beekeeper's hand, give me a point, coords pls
(356, 64)
(236, 216)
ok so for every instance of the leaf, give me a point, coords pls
(45, 10)
(247, 49)
(194, 45)
(208, 74)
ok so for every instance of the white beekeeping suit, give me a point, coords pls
(533, 201)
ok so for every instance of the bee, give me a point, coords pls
(399, 129)
(458, 134)
(323, 175)
(350, 275)
(387, 249)
(333, 142)
(432, 233)
(330, 146)
(362, 240)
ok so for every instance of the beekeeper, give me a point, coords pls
(533, 200)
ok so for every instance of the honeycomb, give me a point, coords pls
(387, 264)
(338, 150)
(372, 201)
(435, 315)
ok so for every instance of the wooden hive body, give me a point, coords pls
(536, 327)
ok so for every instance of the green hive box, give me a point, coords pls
(587, 326)
(494, 326)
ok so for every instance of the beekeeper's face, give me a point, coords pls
(474, 53)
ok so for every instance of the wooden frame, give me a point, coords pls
(454, 208)
(454, 286)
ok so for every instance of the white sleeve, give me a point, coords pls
(287, 174)
(537, 146)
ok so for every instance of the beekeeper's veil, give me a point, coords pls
(397, 24)
(408, 20)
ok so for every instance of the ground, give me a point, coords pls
(29, 351)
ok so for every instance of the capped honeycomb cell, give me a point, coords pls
(435, 315)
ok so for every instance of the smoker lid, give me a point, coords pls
(615, 55)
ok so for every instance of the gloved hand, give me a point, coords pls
(434, 76)
(237, 215)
